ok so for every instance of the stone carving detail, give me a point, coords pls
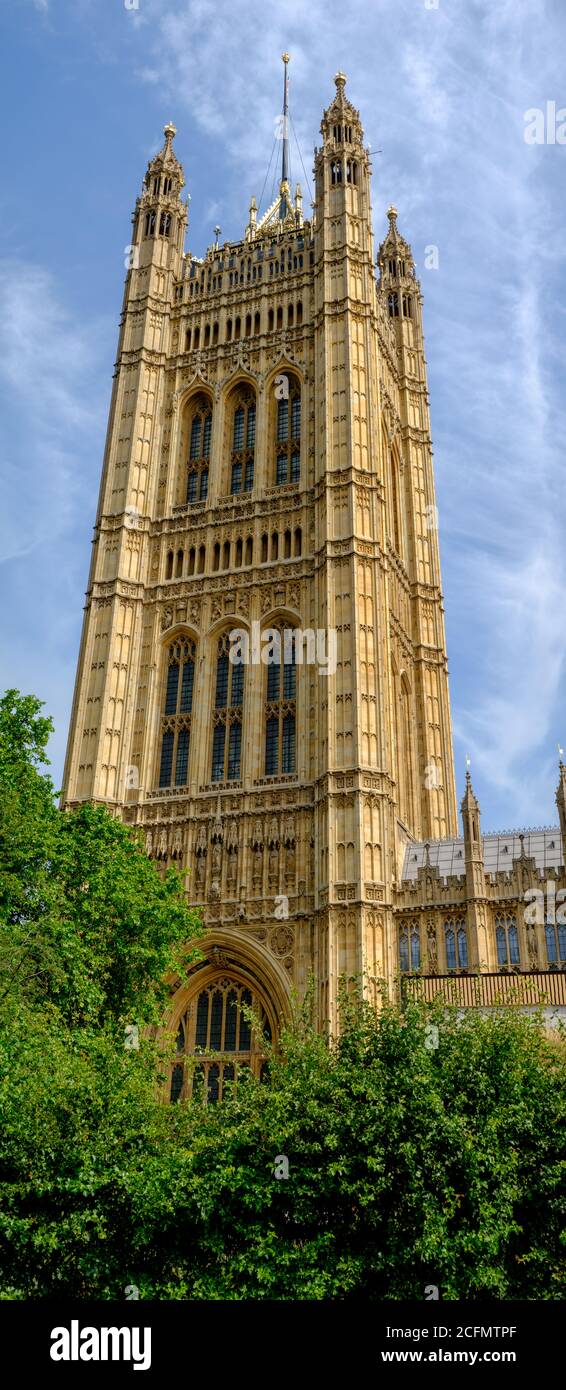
(431, 948)
(532, 946)
(273, 843)
(216, 839)
(218, 958)
(232, 852)
(177, 848)
(257, 846)
(282, 940)
(289, 841)
(201, 853)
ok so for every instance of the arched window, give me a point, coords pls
(201, 559)
(298, 540)
(169, 565)
(243, 443)
(336, 171)
(200, 428)
(555, 943)
(409, 947)
(407, 306)
(281, 705)
(270, 321)
(191, 567)
(507, 939)
(228, 715)
(249, 551)
(264, 547)
(216, 1041)
(393, 304)
(179, 564)
(456, 943)
(177, 713)
(288, 443)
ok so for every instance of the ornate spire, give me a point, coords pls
(341, 121)
(561, 803)
(469, 800)
(284, 186)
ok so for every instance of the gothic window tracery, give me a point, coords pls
(555, 943)
(177, 714)
(507, 940)
(227, 715)
(409, 947)
(288, 442)
(216, 1041)
(200, 430)
(281, 708)
(456, 943)
(243, 442)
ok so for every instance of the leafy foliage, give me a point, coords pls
(407, 1164)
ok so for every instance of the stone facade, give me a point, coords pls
(269, 466)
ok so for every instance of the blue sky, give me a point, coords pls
(443, 91)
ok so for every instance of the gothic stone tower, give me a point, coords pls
(269, 466)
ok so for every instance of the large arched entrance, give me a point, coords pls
(222, 1023)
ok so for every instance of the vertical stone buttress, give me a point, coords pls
(100, 760)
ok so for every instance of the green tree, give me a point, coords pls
(418, 1148)
(86, 922)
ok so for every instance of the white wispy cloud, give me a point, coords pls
(53, 402)
(46, 361)
(442, 94)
